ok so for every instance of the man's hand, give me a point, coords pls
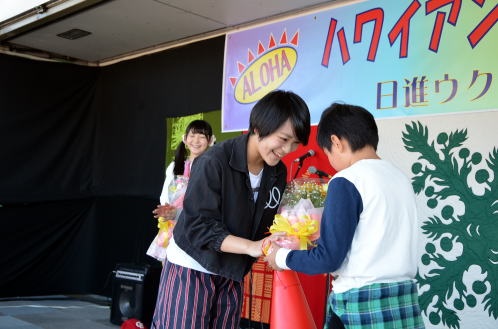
(238, 245)
(255, 248)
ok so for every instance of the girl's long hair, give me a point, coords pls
(181, 153)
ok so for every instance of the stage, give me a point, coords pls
(66, 312)
(56, 312)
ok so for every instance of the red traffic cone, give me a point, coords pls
(289, 308)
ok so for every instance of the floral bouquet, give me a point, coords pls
(300, 213)
(165, 224)
(176, 191)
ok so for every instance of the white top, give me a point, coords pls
(255, 183)
(163, 199)
(384, 245)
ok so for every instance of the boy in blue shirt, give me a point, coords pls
(369, 230)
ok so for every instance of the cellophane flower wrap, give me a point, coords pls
(300, 213)
(176, 191)
(176, 194)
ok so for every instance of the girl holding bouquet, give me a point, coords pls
(233, 195)
(196, 140)
(369, 230)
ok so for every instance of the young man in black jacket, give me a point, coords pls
(233, 194)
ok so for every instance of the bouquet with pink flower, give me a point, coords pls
(300, 213)
(176, 191)
(166, 223)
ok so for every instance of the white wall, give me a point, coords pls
(465, 244)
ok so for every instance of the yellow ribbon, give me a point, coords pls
(163, 224)
(302, 229)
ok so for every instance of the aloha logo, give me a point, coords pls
(266, 71)
(462, 237)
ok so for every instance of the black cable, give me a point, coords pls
(299, 166)
(106, 282)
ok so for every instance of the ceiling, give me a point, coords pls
(124, 29)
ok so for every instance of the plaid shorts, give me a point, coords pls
(379, 305)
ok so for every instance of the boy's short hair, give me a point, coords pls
(276, 107)
(351, 122)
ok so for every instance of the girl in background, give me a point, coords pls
(196, 140)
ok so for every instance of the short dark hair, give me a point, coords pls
(276, 107)
(351, 122)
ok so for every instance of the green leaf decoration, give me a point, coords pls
(442, 173)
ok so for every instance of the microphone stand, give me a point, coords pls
(298, 168)
(322, 178)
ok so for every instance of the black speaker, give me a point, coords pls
(134, 293)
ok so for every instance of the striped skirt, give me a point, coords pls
(379, 305)
(191, 299)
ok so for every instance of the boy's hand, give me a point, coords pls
(271, 254)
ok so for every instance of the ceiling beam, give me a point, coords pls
(41, 15)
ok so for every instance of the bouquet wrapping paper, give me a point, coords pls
(176, 194)
(300, 213)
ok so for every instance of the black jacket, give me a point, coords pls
(219, 201)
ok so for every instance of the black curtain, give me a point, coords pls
(82, 162)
